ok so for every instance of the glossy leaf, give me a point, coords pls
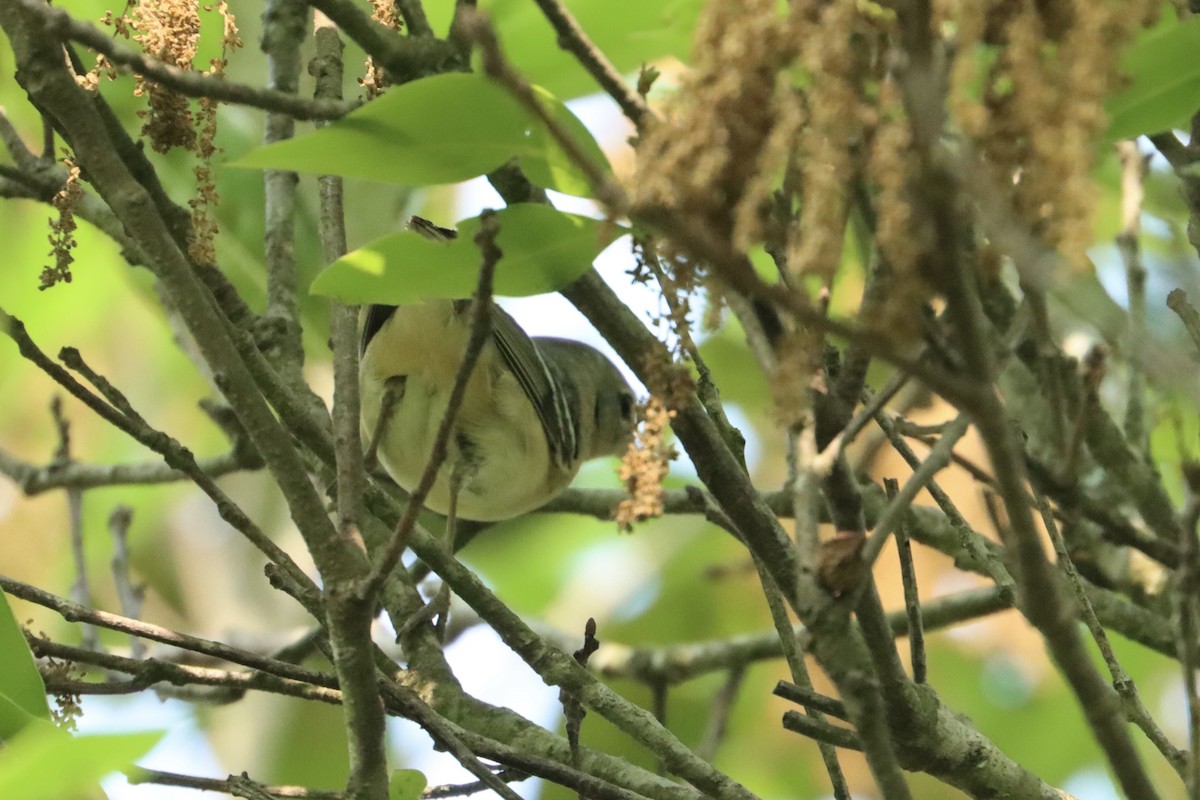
(22, 693)
(44, 763)
(1165, 88)
(442, 129)
(554, 169)
(14, 718)
(406, 784)
(543, 250)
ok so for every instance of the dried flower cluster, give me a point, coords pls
(766, 141)
(201, 245)
(90, 80)
(168, 30)
(374, 79)
(62, 229)
(838, 57)
(676, 278)
(645, 466)
(66, 709)
(904, 238)
(798, 374)
(793, 119)
(701, 160)
(1029, 84)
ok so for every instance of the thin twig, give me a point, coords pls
(888, 692)
(943, 207)
(811, 699)
(462, 789)
(22, 156)
(176, 455)
(1048, 366)
(33, 480)
(573, 39)
(73, 612)
(1187, 628)
(1133, 173)
(1177, 301)
(521, 758)
(461, 744)
(1094, 368)
(1131, 701)
(231, 785)
(414, 17)
(573, 711)
(1183, 159)
(721, 707)
(785, 641)
(79, 587)
(912, 602)
(937, 460)
(146, 672)
(804, 477)
(129, 595)
(683, 662)
(607, 191)
(821, 731)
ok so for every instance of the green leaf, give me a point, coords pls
(14, 719)
(43, 763)
(554, 169)
(544, 250)
(406, 784)
(1165, 88)
(21, 687)
(628, 32)
(442, 129)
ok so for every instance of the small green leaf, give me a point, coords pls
(406, 784)
(14, 719)
(20, 683)
(1165, 90)
(442, 129)
(554, 169)
(543, 250)
(43, 763)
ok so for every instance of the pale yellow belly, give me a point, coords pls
(497, 443)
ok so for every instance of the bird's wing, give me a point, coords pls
(520, 355)
(549, 399)
(373, 320)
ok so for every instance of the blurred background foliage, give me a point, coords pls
(673, 580)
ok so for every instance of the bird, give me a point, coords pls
(534, 410)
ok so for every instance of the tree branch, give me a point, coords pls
(61, 25)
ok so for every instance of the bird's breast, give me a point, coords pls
(497, 443)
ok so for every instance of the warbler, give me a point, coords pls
(534, 408)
